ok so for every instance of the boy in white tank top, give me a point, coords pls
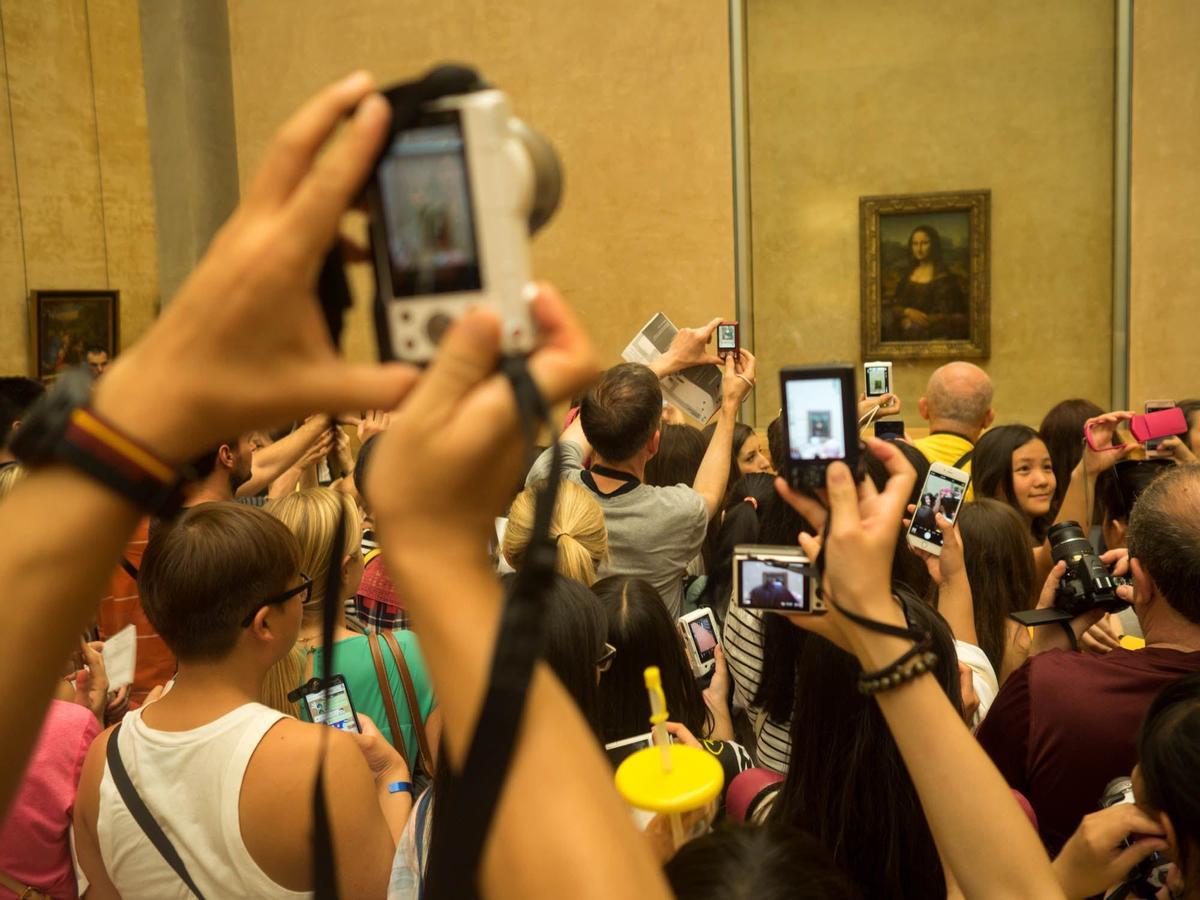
(229, 780)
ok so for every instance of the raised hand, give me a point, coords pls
(244, 343)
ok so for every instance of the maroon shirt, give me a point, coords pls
(1064, 725)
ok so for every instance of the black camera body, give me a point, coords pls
(1086, 585)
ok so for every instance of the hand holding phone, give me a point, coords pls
(700, 639)
(337, 711)
(941, 494)
(728, 339)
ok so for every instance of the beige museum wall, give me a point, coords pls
(877, 97)
(1165, 221)
(76, 207)
(633, 93)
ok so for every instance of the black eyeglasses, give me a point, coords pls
(604, 663)
(305, 588)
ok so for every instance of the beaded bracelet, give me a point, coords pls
(908, 668)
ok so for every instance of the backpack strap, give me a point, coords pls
(142, 815)
(389, 704)
(130, 568)
(965, 458)
(410, 694)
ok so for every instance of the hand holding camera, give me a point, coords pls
(1080, 590)
(1105, 847)
(740, 369)
(858, 551)
(198, 375)
(688, 348)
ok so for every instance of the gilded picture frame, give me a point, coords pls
(925, 275)
(64, 324)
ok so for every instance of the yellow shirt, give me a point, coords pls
(948, 448)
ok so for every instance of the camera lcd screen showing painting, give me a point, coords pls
(726, 337)
(338, 714)
(772, 584)
(877, 381)
(939, 495)
(816, 426)
(704, 637)
(427, 212)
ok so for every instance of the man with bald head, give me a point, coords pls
(958, 407)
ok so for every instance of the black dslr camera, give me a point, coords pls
(1087, 584)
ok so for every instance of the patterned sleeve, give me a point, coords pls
(744, 653)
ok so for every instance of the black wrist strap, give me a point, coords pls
(467, 801)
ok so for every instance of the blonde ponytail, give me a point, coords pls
(577, 527)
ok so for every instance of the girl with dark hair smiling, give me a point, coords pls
(1013, 464)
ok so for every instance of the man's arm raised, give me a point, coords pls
(713, 475)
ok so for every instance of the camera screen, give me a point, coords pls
(726, 337)
(427, 210)
(772, 584)
(704, 637)
(816, 429)
(618, 751)
(939, 495)
(338, 714)
(877, 381)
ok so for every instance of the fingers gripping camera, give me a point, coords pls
(454, 199)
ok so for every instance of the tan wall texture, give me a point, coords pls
(76, 208)
(634, 94)
(1165, 226)
(877, 97)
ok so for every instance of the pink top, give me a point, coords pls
(33, 842)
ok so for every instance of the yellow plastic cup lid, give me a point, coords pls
(694, 780)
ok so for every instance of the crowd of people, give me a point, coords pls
(912, 741)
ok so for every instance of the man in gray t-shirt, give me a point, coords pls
(653, 532)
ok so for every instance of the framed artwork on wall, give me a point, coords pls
(65, 325)
(925, 275)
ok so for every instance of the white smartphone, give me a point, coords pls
(942, 492)
(700, 639)
(619, 751)
(877, 376)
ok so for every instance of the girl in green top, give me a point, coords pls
(312, 515)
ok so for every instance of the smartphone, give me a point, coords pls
(820, 418)
(774, 577)
(1154, 406)
(877, 376)
(889, 429)
(700, 639)
(728, 339)
(340, 712)
(942, 492)
(619, 751)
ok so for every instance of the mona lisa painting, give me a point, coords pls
(925, 275)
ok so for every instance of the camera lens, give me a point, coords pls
(1067, 542)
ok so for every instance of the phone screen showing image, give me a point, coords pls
(726, 337)
(877, 381)
(772, 584)
(940, 494)
(339, 713)
(704, 637)
(427, 210)
(816, 424)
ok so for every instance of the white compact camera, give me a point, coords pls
(700, 638)
(778, 577)
(454, 200)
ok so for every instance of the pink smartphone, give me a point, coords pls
(1160, 424)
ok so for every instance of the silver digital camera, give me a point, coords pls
(455, 197)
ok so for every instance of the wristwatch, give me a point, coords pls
(61, 427)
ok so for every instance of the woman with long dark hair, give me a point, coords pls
(847, 784)
(1062, 433)
(929, 303)
(1012, 463)
(1003, 580)
(644, 634)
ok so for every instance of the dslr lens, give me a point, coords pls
(1068, 542)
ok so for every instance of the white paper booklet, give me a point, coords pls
(696, 391)
(120, 657)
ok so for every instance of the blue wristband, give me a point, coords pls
(397, 787)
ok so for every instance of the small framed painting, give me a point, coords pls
(71, 328)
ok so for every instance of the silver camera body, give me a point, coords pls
(455, 198)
